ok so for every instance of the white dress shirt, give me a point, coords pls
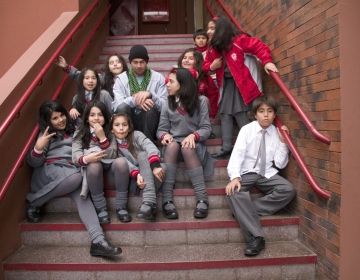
(245, 152)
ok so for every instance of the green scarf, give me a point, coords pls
(133, 83)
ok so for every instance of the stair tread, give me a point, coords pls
(217, 218)
(159, 257)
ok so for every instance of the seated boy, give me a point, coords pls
(258, 152)
(201, 41)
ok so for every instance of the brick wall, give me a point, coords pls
(304, 38)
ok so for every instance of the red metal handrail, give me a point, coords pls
(319, 136)
(35, 131)
(313, 184)
(295, 153)
(26, 95)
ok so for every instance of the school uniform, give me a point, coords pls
(245, 164)
(53, 167)
(180, 124)
(237, 85)
(104, 97)
(146, 159)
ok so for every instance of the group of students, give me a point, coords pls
(118, 116)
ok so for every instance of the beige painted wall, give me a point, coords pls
(19, 28)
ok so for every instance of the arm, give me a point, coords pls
(281, 156)
(164, 123)
(122, 92)
(204, 130)
(237, 156)
(159, 94)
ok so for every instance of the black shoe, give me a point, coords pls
(212, 135)
(149, 215)
(254, 246)
(170, 213)
(103, 216)
(200, 213)
(222, 154)
(104, 249)
(123, 217)
(33, 214)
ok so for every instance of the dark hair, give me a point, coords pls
(130, 135)
(45, 112)
(80, 102)
(200, 32)
(187, 92)
(84, 130)
(199, 60)
(108, 76)
(223, 35)
(264, 99)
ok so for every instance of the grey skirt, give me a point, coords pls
(231, 102)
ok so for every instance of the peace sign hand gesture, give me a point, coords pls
(43, 140)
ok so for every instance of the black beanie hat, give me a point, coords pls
(138, 51)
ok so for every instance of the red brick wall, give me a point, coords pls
(304, 38)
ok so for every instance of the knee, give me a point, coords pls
(121, 164)
(94, 167)
(287, 189)
(123, 108)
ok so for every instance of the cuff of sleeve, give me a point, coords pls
(105, 144)
(134, 173)
(197, 136)
(82, 161)
(36, 153)
(162, 136)
(67, 69)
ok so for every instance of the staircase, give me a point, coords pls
(58, 246)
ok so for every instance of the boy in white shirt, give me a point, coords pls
(251, 165)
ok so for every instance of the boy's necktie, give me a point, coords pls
(262, 154)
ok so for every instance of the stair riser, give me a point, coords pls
(278, 272)
(65, 204)
(156, 237)
(126, 49)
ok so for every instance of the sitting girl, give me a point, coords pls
(184, 126)
(114, 65)
(92, 151)
(144, 163)
(55, 175)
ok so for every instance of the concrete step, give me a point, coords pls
(66, 229)
(184, 198)
(279, 260)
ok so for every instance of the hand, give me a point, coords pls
(61, 62)
(99, 132)
(216, 64)
(189, 142)
(270, 67)
(95, 157)
(140, 97)
(232, 186)
(159, 174)
(285, 128)
(147, 104)
(140, 181)
(74, 113)
(43, 140)
(167, 139)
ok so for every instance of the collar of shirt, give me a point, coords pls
(88, 95)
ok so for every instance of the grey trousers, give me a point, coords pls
(278, 192)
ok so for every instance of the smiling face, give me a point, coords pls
(200, 41)
(210, 29)
(172, 85)
(58, 120)
(96, 116)
(120, 127)
(115, 65)
(188, 60)
(89, 81)
(265, 115)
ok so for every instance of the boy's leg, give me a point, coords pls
(278, 193)
(244, 209)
